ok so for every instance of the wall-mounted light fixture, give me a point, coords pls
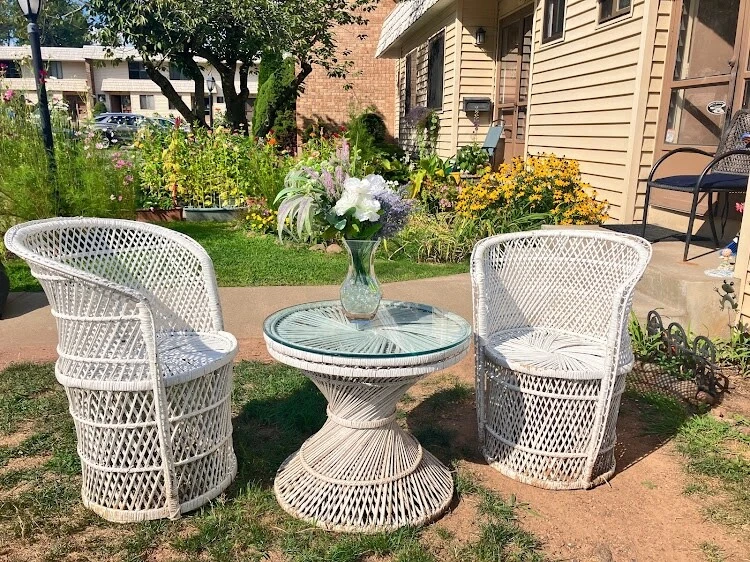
(479, 36)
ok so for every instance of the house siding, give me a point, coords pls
(582, 96)
(418, 44)
(650, 123)
(478, 66)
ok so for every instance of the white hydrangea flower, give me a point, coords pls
(358, 193)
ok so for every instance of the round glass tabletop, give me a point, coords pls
(399, 329)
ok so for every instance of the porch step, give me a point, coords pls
(682, 292)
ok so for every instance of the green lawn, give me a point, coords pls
(245, 261)
(275, 409)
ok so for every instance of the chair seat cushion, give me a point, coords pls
(719, 181)
(188, 354)
(548, 352)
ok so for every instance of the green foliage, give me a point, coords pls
(472, 159)
(62, 23)
(274, 106)
(449, 238)
(99, 108)
(274, 410)
(207, 168)
(270, 62)
(88, 181)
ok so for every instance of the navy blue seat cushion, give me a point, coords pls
(718, 181)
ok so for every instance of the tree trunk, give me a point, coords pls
(235, 101)
(192, 69)
(169, 92)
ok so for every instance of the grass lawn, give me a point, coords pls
(716, 453)
(274, 410)
(246, 261)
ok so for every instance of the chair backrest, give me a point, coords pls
(732, 140)
(571, 280)
(98, 274)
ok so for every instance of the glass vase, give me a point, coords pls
(360, 293)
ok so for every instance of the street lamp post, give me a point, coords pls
(211, 82)
(31, 10)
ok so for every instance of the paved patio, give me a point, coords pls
(28, 332)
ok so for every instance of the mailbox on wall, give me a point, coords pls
(482, 105)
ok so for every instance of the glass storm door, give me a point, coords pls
(514, 58)
(706, 55)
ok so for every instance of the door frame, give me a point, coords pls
(742, 38)
(681, 202)
(518, 16)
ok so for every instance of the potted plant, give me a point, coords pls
(328, 199)
(157, 206)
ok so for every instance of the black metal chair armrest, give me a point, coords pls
(718, 159)
(676, 151)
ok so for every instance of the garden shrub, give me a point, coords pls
(472, 159)
(89, 181)
(276, 90)
(208, 168)
(539, 184)
(99, 108)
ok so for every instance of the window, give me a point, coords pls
(611, 9)
(147, 102)
(172, 105)
(10, 68)
(554, 20)
(177, 74)
(435, 77)
(219, 99)
(54, 69)
(410, 79)
(137, 71)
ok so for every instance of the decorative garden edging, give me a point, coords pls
(700, 357)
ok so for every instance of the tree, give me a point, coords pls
(62, 23)
(231, 36)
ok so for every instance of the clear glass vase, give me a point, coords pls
(360, 293)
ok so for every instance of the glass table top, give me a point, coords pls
(399, 329)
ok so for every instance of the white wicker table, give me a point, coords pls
(361, 472)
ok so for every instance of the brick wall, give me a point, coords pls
(373, 80)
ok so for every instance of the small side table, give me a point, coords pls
(361, 472)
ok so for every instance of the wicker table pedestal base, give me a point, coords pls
(361, 472)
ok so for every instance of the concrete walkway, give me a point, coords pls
(28, 331)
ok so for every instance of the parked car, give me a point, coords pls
(123, 127)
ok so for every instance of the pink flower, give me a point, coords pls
(119, 197)
(120, 163)
(8, 95)
(128, 179)
(740, 207)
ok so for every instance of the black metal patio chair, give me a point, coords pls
(727, 172)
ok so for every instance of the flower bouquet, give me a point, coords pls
(325, 199)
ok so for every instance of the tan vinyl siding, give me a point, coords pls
(656, 79)
(477, 66)
(418, 43)
(582, 96)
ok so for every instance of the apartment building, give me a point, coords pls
(83, 76)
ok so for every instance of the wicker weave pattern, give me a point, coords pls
(552, 351)
(144, 361)
(361, 472)
(732, 140)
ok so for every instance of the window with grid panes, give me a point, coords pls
(137, 70)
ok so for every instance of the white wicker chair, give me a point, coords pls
(552, 351)
(144, 361)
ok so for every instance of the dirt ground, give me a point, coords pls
(640, 515)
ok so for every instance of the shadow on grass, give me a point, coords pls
(445, 423)
(276, 410)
